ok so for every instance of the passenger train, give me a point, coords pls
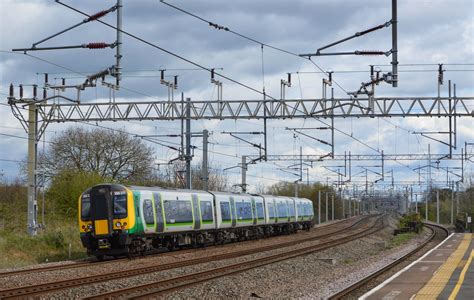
(117, 220)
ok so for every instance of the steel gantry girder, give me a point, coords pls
(364, 157)
(258, 109)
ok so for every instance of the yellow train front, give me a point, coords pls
(107, 220)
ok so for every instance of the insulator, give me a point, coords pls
(440, 74)
(162, 74)
(330, 76)
(212, 73)
(371, 70)
(98, 15)
(21, 91)
(12, 90)
(99, 45)
(370, 53)
(175, 81)
(46, 78)
(45, 93)
(98, 75)
(64, 81)
(35, 91)
(289, 78)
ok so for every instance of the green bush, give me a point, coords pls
(54, 239)
(65, 189)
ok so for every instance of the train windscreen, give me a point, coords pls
(85, 208)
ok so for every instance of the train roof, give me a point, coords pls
(162, 189)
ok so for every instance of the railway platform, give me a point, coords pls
(445, 272)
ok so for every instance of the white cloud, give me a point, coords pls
(429, 32)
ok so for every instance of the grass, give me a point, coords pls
(401, 239)
(20, 249)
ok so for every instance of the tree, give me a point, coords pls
(65, 189)
(112, 154)
(173, 176)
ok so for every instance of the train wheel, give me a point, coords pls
(100, 257)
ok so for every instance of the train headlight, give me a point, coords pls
(89, 226)
(118, 224)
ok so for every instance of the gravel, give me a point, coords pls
(36, 278)
(308, 277)
(312, 276)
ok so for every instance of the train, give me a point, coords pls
(118, 220)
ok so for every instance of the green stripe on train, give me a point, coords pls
(138, 227)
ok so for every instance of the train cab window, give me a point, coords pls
(225, 211)
(120, 206)
(85, 208)
(271, 211)
(148, 212)
(206, 211)
(260, 212)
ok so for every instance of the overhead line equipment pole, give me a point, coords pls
(188, 144)
(394, 44)
(319, 207)
(205, 170)
(118, 55)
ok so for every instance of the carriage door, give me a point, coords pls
(254, 212)
(160, 226)
(101, 210)
(197, 212)
(232, 212)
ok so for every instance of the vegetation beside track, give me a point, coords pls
(20, 249)
(401, 239)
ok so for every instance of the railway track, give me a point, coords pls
(88, 263)
(357, 289)
(328, 241)
(162, 287)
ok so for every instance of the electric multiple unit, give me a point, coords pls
(119, 220)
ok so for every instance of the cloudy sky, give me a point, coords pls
(430, 32)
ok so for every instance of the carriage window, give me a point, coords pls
(206, 211)
(244, 210)
(291, 209)
(148, 212)
(271, 211)
(260, 213)
(178, 211)
(120, 205)
(281, 207)
(85, 208)
(225, 211)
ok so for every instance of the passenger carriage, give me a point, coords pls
(122, 220)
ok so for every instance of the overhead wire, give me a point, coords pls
(219, 27)
(198, 65)
(163, 49)
(204, 68)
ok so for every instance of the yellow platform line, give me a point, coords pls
(437, 283)
(461, 278)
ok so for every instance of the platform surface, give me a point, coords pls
(446, 272)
